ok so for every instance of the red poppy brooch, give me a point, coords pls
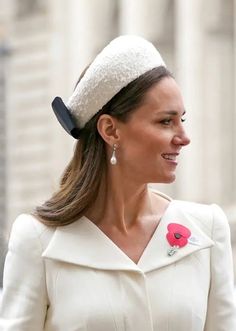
(177, 236)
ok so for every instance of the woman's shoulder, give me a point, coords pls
(210, 217)
(28, 224)
(200, 209)
(27, 231)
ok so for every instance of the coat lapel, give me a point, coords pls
(155, 255)
(83, 243)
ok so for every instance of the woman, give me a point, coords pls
(106, 252)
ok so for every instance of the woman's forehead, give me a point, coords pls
(166, 92)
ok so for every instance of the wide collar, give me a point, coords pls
(83, 243)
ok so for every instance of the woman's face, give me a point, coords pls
(152, 138)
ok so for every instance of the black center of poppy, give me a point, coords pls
(177, 235)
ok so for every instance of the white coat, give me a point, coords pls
(74, 278)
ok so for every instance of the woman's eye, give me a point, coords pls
(166, 121)
(169, 121)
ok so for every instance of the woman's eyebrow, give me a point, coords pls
(170, 112)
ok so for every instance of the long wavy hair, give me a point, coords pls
(81, 180)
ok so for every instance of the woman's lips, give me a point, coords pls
(171, 157)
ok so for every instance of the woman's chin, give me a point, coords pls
(167, 179)
(170, 177)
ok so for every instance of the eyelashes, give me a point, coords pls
(168, 121)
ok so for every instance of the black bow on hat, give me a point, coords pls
(64, 117)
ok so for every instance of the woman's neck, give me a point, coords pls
(122, 204)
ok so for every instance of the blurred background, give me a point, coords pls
(44, 46)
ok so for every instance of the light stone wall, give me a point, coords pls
(5, 14)
(52, 41)
(28, 124)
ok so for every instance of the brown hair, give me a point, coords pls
(82, 177)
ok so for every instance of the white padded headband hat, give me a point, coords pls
(123, 60)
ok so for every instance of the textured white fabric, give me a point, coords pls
(123, 60)
(74, 278)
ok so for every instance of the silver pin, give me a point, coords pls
(171, 251)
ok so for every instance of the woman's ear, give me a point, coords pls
(107, 128)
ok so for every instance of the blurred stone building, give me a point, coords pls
(44, 45)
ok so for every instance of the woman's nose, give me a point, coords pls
(181, 138)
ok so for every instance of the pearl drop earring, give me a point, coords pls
(113, 159)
